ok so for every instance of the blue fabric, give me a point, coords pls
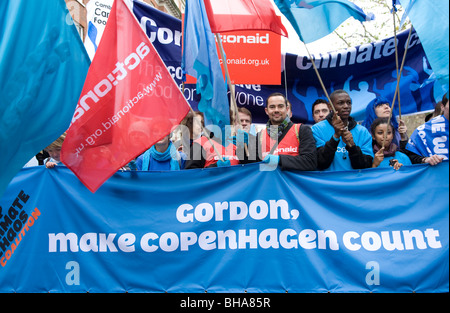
(200, 59)
(314, 19)
(399, 156)
(223, 163)
(431, 138)
(201, 230)
(323, 131)
(170, 160)
(371, 116)
(43, 65)
(430, 20)
(92, 34)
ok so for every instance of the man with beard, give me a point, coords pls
(281, 143)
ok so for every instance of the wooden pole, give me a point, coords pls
(397, 89)
(230, 85)
(227, 74)
(203, 130)
(396, 60)
(320, 78)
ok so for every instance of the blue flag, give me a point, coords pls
(431, 138)
(430, 20)
(42, 70)
(314, 19)
(201, 60)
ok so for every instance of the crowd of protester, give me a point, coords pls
(336, 142)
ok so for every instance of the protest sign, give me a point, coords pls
(374, 230)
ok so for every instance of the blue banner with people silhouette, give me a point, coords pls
(235, 229)
(364, 71)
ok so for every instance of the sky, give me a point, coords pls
(355, 33)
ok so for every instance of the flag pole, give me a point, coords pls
(320, 78)
(397, 89)
(396, 60)
(227, 73)
(203, 129)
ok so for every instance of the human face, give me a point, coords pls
(379, 134)
(276, 109)
(320, 112)
(197, 126)
(163, 141)
(161, 146)
(383, 110)
(289, 109)
(246, 121)
(55, 153)
(343, 105)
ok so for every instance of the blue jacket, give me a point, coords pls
(335, 155)
(401, 157)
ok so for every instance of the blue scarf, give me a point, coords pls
(171, 154)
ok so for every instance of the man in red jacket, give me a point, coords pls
(283, 143)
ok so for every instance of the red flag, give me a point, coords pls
(128, 103)
(232, 15)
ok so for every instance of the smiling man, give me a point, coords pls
(341, 143)
(283, 143)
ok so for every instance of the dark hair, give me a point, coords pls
(380, 121)
(444, 100)
(276, 94)
(319, 101)
(189, 120)
(337, 92)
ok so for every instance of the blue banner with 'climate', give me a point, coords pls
(230, 229)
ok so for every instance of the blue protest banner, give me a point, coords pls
(374, 230)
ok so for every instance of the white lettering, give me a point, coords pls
(106, 85)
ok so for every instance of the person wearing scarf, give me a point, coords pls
(282, 143)
(163, 156)
(384, 149)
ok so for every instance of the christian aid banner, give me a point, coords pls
(375, 230)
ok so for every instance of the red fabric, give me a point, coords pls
(211, 156)
(233, 15)
(128, 103)
(288, 146)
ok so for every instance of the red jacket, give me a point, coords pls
(204, 155)
(288, 145)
